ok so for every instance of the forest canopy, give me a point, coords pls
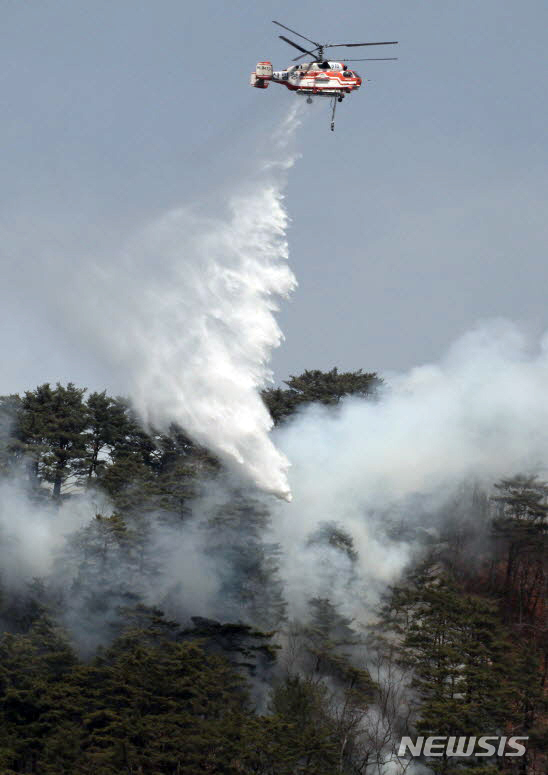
(103, 670)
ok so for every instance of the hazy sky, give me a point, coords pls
(423, 213)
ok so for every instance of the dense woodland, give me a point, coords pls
(459, 646)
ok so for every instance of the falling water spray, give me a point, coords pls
(187, 317)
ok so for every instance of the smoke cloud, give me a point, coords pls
(359, 469)
(476, 416)
(33, 532)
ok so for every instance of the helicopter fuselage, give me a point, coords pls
(318, 78)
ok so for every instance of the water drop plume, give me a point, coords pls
(191, 337)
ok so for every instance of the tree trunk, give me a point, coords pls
(58, 481)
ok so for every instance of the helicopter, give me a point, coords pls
(321, 77)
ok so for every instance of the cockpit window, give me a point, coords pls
(348, 74)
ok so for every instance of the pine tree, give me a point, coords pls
(237, 537)
(149, 705)
(319, 387)
(30, 665)
(463, 664)
(108, 427)
(52, 425)
(332, 647)
(12, 447)
(520, 530)
(305, 727)
(104, 562)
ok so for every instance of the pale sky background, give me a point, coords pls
(425, 212)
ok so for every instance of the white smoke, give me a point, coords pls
(33, 532)
(478, 415)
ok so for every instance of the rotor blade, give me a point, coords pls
(352, 45)
(296, 45)
(313, 54)
(295, 33)
(374, 59)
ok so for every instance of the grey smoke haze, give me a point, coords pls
(477, 415)
(34, 532)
